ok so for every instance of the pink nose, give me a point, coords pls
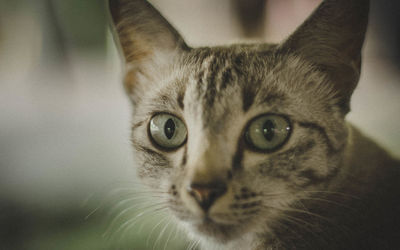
(206, 194)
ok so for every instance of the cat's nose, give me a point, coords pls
(206, 194)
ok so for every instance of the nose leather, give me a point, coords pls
(206, 194)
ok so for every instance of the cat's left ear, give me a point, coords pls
(145, 37)
(332, 39)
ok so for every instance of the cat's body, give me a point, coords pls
(247, 144)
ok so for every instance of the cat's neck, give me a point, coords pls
(366, 165)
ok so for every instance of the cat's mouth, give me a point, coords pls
(221, 231)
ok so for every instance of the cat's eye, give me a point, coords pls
(167, 131)
(268, 132)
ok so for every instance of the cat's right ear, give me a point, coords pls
(145, 38)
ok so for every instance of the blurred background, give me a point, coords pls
(67, 178)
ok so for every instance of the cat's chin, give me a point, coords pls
(217, 231)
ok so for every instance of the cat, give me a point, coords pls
(248, 144)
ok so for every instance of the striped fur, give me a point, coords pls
(327, 187)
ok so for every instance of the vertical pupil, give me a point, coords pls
(268, 130)
(169, 128)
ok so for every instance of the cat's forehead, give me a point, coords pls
(245, 77)
(214, 86)
(240, 57)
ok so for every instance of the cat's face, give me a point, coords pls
(232, 137)
(224, 99)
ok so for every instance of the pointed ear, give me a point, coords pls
(144, 37)
(332, 39)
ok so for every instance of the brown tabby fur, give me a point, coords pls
(327, 187)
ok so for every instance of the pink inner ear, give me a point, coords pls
(134, 48)
(142, 30)
(130, 81)
(143, 34)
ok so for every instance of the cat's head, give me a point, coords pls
(232, 136)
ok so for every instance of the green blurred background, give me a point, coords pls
(67, 176)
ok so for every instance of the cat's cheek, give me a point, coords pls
(153, 175)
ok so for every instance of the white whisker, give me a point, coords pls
(169, 237)
(152, 230)
(162, 232)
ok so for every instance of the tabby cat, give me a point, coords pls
(248, 143)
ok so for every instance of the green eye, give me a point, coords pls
(167, 131)
(268, 132)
